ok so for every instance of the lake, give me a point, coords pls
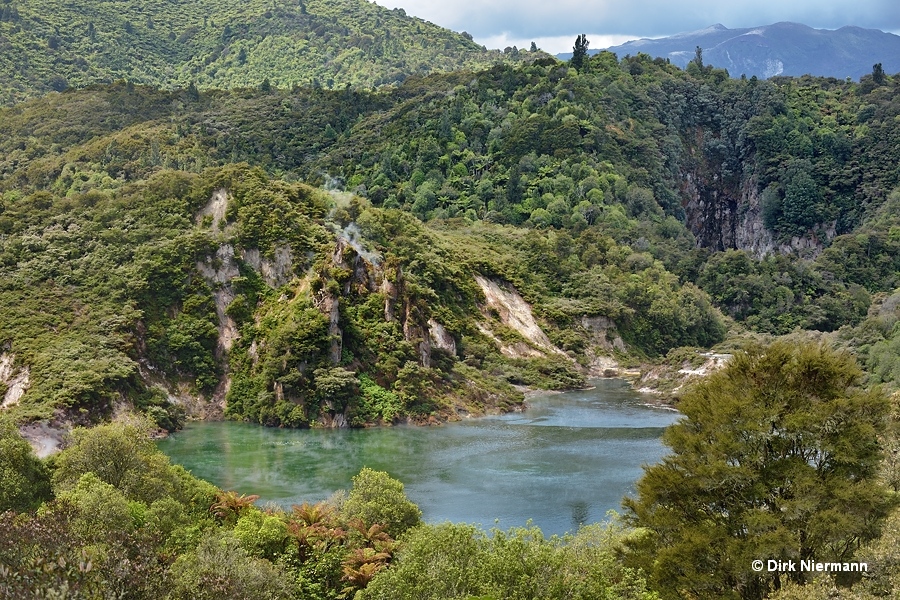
(567, 460)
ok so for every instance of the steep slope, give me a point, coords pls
(298, 309)
(778, 49)
(635, 151)
(47, 45)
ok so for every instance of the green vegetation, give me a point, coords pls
(223, 44)
(98, 539)
(499, 228)
(573, 188)
(777, 458)
(327, 331)
(460, 561)
(25, 481)
(655, 159)
(376, 498)
(125, 523)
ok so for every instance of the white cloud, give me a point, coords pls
(526, 20)
(552, 44)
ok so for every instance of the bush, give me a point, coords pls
(377, 498)
(121, 455)
(100, 509)
(777, 456)
(24, 480)
(461, 561)
(220, 569)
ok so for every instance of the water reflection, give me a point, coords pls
(566, 461)
(580, 513)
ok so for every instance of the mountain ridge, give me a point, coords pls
(784, 48)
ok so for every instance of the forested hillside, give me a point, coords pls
(652, 157)
(46, 45)
(622, 202)
(298, 256)
(297, 301)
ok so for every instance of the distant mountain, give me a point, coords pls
(779, 49)
(50, 45)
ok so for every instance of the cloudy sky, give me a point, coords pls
(553, 24)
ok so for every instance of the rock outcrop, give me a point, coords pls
(605, 340)
(214, 210)
(441, 338)
(275, 271)
(219, 271)
(722, 217)
(14, 379)
(513, 311)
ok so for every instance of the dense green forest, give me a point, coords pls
(46, 46)
(208, 225)
(636, 207)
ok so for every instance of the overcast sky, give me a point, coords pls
(553, 24)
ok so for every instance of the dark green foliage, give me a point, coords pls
(297, 342)
(376, 403)
(24, 480)
(878, 74)
(594, 164)
(336, 387)
(877, 340)
(344, 43)
(579, 52)
(163, 413)
(97, 540)
(221, 568)
(777, 294)
(96, 287)
(585, 191)
(123, 457)
(44, 556)
(461, 561)
(698, 57)
(777, 457)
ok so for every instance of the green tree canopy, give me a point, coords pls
(120, 454)
(378, 498)
(579, 51)
(777, 457)
(24, 481)
(461, 561)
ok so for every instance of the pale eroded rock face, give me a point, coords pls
(215, 209)
(515, 313)
(605, 339)
(218, 272)
(514, 350)
(276, 271)
(440, 337)
(671, 379)
(16, 379)
(603, 332)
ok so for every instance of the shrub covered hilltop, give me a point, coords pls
(306, 253)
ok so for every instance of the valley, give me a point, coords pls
(337, 218)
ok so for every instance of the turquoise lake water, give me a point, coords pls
(566, 460)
